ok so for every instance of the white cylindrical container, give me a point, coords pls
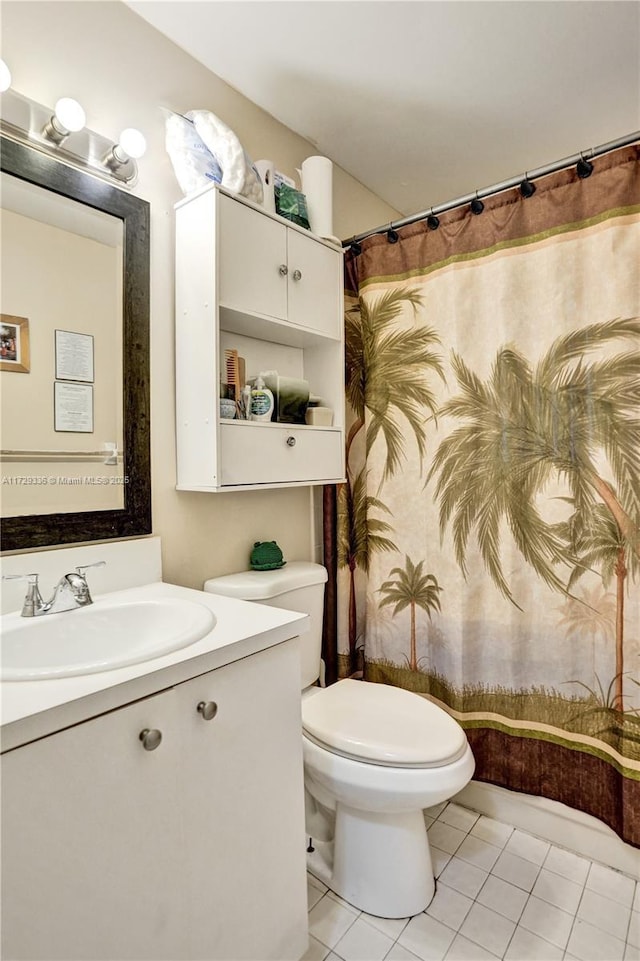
(317, 186)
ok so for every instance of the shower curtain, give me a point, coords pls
(487, 546)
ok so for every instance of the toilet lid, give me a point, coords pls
(382, 725)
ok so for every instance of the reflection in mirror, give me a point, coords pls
(62, 274)
(75, 305)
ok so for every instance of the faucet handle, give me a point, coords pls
(81, 588)
(85, 567)
(33, 599)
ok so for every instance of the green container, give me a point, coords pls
(292, 204)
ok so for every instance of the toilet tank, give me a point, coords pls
(298, 586)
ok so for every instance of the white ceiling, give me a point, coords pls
(424, 101)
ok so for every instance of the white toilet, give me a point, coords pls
(374, 757)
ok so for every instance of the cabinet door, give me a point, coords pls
(271, 455)
(91, 841)
(315, 284)
(242, 774)
(252, 253)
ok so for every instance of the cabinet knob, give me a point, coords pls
(150, 738)
(283, 270)
(208, 709)
(291, 442)
(297, 275)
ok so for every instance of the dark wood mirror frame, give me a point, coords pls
(42, 530)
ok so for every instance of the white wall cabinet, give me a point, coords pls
(112, 851)
(251, 280)
(281, 271)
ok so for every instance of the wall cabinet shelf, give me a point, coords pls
(251, 280)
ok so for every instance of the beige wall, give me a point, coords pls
(123, 72)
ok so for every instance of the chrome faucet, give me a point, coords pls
(71, 592)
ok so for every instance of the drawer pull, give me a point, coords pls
(283, 270)
(150, 738)
(291, 442)
(297, 275)
(208, 710)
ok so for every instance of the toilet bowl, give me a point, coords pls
(374, 757)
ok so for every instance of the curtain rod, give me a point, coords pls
(499, 187)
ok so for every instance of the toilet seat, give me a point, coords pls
(381, 724)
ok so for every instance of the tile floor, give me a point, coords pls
(500, 893)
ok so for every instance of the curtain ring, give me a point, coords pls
(527, 188)
(476, 205)
(432, 221)
(584, 168)
(392, 235)
(355, 247)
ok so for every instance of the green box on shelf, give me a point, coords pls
(292, 204)
(290, 397)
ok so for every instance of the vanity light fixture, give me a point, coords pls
(132, 143)
(68, 117)
(130, 147)
(62, 134)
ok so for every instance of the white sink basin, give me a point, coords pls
(98, 638)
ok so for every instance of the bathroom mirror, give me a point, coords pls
(74, 370)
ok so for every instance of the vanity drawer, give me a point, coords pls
(276, 454)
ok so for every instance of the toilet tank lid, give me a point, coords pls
(261, 585)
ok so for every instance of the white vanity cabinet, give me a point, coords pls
(91, 836)
(242, 770)
(114, 851)
(251, 280)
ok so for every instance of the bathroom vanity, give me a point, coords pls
(151, 810)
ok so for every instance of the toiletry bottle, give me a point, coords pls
(245, 401)
(261, 401)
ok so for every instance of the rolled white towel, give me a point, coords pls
(238, 174)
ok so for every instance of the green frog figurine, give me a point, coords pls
(266, 556)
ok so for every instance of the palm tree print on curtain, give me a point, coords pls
(413, 589)
(598, 543)
(360, 535)
(387, 390)
(513, 482)
(525, 424)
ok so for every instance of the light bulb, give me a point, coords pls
(5, 76)
(70, 114)
(132, 143)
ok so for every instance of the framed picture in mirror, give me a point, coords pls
(14, 343)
